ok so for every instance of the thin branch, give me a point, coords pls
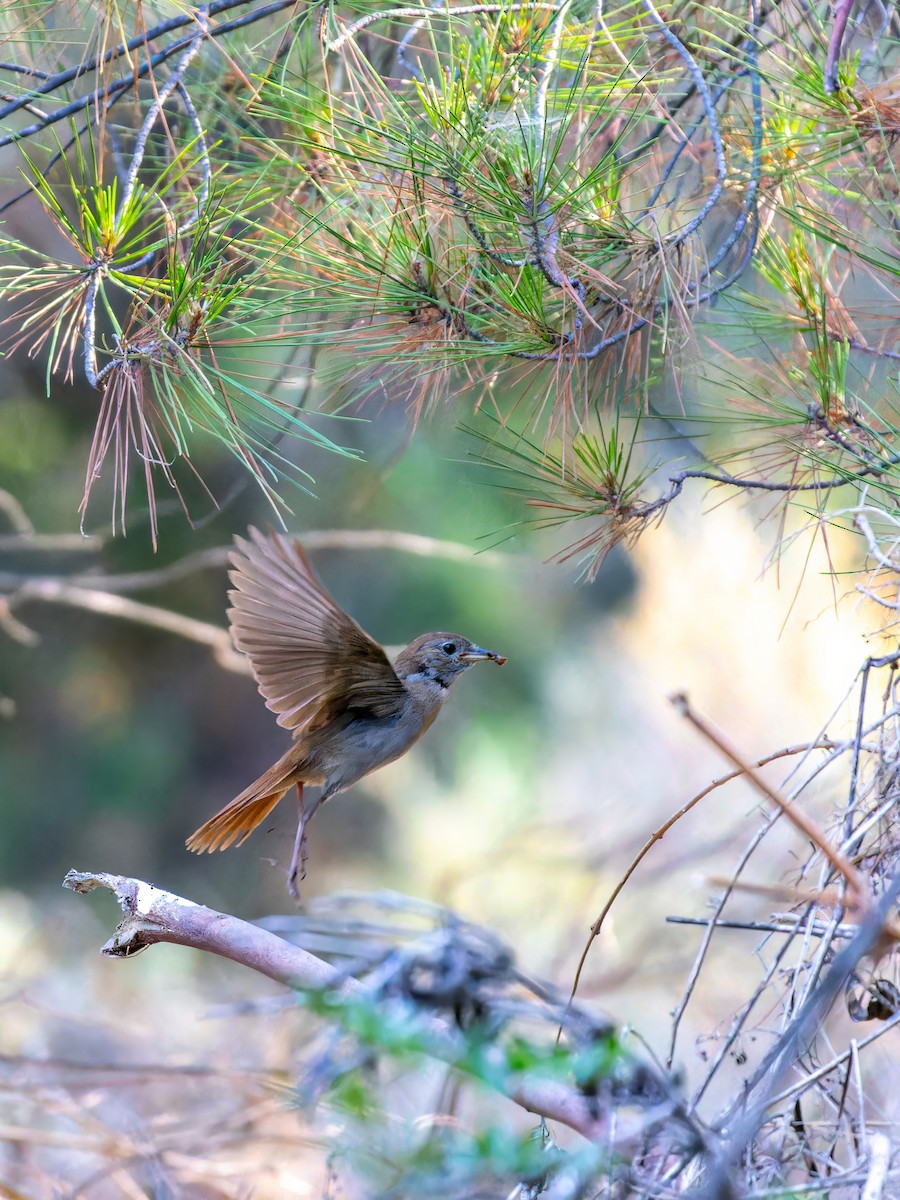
(815, 928)
(206, 171)
(406, 42)
(18, 517)
(89, 335)
(841, 14)
(217, 556)
(98, 96)
(804, 922)
(678, 481)
(57, 591)
(833, 1064)
(551, 62)
(744, 1117)
(854, 879)
(80, 590)
(175, 80)
(30, 542)
(748, 208)
(865, 348)
(53, 83)
(710, 109)
(18, 69)
(396, 14)
(659, 834)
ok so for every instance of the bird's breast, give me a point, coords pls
(347, 752)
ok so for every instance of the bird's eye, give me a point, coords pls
(449, 647)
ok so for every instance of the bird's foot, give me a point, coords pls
(294, 885)
(297, 870)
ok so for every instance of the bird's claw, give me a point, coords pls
(297, 872)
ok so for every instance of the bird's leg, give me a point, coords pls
(299, 856)
(293, 887)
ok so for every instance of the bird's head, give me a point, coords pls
(440, 657)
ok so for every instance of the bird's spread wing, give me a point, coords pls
(311, 660)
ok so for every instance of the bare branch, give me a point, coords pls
(712, 120)
(743, 1117)
(217, 556)
(57, 591)
(659, 833)
(841, 10)
(853, 878)
(879, 1163)
(152, 915)
(94, 592)
(17, 515)
(48, 543)
(396, 14)
(104, 95)
(175, 80)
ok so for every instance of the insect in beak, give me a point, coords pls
(476, 654)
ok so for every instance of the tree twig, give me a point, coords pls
(841, 10)
(395, 14)
(659, 833)
(58, 591)
(854, 879)
(743, 1117)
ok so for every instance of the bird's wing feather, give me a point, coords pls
(311, 660)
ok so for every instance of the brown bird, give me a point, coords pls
(333, 686)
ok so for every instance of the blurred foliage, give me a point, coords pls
(429, 987)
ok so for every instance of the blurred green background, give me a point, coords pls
(119, 739)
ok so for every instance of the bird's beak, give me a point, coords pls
(476, 654)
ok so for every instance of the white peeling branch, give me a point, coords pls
(879, 1147)
(151, 915)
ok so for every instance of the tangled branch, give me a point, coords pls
(152, 916)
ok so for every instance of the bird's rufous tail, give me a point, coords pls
(237, 820)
